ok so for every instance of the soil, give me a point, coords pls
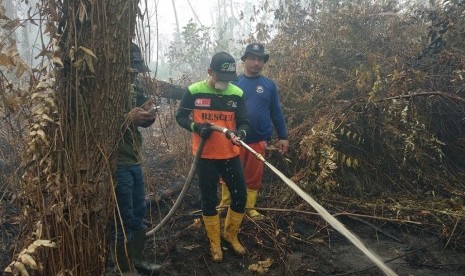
(296, 244)
(287, 242)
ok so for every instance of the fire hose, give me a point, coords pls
(183, 192)
(336, 224)
(187, 183)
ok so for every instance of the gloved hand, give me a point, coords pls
(235, 136)
(239, 134)
(203, 129)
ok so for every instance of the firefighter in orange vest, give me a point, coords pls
(216, 101)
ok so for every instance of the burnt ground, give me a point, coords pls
(288, 242)
(299, 244)
(296, 244)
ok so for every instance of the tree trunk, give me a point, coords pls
(69, 191)
(178, 29)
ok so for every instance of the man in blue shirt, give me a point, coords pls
(264, 112)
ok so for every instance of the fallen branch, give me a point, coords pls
(377, 229)
(335, 215)
(382, 218)
(442, 94)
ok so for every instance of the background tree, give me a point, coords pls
(189, 56)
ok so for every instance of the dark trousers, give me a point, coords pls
(209, 172)
(130, 197)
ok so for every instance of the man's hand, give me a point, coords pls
(150, 107)
(235, 137)
(283, 146)
(203, 129)
(149, 104)
(141, 118)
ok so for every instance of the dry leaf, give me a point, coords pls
(20, 266)
(262, 270)
(318, 241)
(45, 117)
(90, 63)
(88, 51)
(41, 134)
(266, 263)
(190, 247)
(41, 84)
(253, 267)
(12, 102)
(82, 12)
(38, 243)
(21, 69)
(46, 243)
(261, 267)
(57, 61)
(79, 64)
(10, 25)
(39, 229)
(197, 223)
(8, 268)
(6, 60)
(29, 261)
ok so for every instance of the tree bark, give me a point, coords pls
(70, 188)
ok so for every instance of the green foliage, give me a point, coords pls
(189, 55)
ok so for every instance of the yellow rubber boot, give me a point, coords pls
(250, 204)
(225, 196)
(212, 226)
(231, 229)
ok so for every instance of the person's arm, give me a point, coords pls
(277, 115)
(139, 116)
(277, 118)
(242, 122)
(185, 109)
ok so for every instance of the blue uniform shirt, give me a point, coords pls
(263, 108)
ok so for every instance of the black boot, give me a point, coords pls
(139, 261)
(122, 255)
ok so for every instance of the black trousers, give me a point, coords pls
(209, 172)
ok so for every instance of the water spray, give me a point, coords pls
(336, 224)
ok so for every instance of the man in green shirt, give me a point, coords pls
(128, 235)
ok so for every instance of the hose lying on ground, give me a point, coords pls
(183, 191)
